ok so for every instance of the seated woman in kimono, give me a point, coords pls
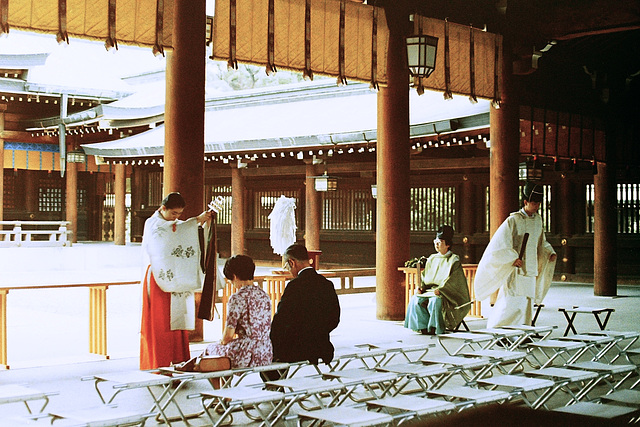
(245, 340)
(443, 288)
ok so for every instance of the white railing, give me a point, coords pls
(22, 234)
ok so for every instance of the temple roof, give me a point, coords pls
(293, 117)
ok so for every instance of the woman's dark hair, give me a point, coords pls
(240, 266)
(174, 200)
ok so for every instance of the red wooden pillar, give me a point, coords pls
(605, 267)
(184, 112)
(505, 150)
(313, 211)
(393, 171)
(237, 212)
(72, 199)
(3, 108)
(184, 107)
(120, 225)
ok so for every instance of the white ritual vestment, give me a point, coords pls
(517, 288)
(173, 249)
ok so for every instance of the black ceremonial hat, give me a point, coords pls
(445, 232)
(532, 192)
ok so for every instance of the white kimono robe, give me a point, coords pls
(518, 287)
(174, 254)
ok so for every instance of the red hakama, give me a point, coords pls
(159, 345)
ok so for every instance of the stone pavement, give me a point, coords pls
(48, 342)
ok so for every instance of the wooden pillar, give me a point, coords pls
(605, 255)
(393, 171)
(31, 193)
(566, 218)
(72, 199)
(3, 108)
(467, 203)
(184, 112)
(313, 210)
(237, 212)
(505, 151)
(120, 226)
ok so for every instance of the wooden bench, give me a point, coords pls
(56, 232)
(412, 282)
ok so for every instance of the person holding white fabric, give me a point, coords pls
(522, 275)
(172, 276)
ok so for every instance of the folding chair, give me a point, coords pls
(345, 416)
(375, 383)
(623, 398)
(11, 393)
(500, 358)
(425, 376)
(470, 396)
(410, 407)
(622, 341)
(400, 349)
(507, 338)
(469, 368)
(532, 333)
(600, 410)
(246, 398)
(316, 388)
(566, 380)
(469, 340)
(129, 380)
(593, 344)
(532, 391)
(550, 350)
(102, 416)
(570, 315)
(612, 375)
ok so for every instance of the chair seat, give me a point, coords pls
(343, 415)
(598, 410)
(103, 416)
(623, 397)
(472, 394)
(420, 405)
(518, 382)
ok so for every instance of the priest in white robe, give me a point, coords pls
(521, 275)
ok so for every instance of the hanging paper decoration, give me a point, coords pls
(283, 224)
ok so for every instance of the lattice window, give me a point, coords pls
(10, 200)
(348, 210)
(263, 203)
(224, 216)
(50, 195)
(154, 189)
(431, 207)
(628, 208)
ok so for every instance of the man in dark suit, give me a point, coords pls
(308, 311)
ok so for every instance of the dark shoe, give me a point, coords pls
(504, 343)
(428, 331)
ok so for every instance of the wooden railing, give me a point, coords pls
(55, 232)
(412, 282)
(97, 314)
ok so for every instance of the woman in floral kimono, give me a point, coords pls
(248, 319)
(172, 275)
(444, 287)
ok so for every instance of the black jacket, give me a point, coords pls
(308, 311)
